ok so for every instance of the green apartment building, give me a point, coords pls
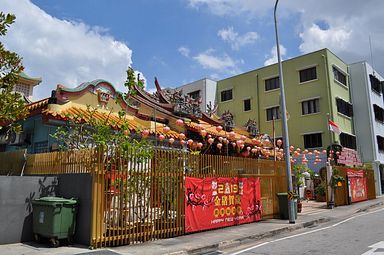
(316, 84)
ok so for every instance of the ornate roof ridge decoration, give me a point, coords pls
(151, 99)
(212, 110)
(252, 128)
(227, 118)
(94, 87)
(159, 92)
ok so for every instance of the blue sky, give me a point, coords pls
(180, 41)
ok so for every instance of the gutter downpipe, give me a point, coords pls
(331, 136)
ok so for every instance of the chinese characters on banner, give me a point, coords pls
(357, 185)
(219, 202)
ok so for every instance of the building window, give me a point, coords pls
(23, 89)
(339, 76)
(344, 108)
(273, 83)
(273, 112)
(348, 141)
(226, 95)
(376, 85)
(308, 74)
(194, 94)
(379, 113)
(40, 147)
(380, 143)
(313, 141)
(310, 106)
(247, 105)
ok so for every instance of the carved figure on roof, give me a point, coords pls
(183, 105)
(251, 126)
(227, 117)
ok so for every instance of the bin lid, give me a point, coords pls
(54, 200)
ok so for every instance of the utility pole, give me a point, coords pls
(291, 209)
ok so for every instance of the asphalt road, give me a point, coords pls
(359, 234)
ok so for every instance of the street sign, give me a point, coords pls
(290, 195)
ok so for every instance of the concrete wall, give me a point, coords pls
(17, 193)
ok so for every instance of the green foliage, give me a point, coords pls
(12, 104)
(336, 178)
(130, 83)
(320, 189)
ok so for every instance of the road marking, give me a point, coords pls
(305, 233)
(377, 249)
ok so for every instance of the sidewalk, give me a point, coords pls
(200, 243)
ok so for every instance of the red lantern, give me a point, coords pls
(199, 145)
(279, 142)
(181, 136)
(182, 142)
(248, 148)
(243, 137)
(232, 134)
(234, 144)
(220, 139)
(219, 145)
(166, 129)
(203, 132)
(171, 140)
(190, 141)
(219, 128)
(145, 133)
(179, 122)
(210, 140)
(254, 150)
(161, 137)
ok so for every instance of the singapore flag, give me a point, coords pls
(334, 127)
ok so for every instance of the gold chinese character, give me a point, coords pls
(224, 200)
(217, 201)
(231, 200)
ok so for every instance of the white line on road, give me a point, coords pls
(305, 233)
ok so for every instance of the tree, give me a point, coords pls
(12, 104)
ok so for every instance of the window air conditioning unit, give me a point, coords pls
(16, 138)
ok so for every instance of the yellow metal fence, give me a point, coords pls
(136, 198)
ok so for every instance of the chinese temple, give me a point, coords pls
(168, 117)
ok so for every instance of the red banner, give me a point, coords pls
(219, 202)
(357, 185)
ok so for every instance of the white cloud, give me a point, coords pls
(62, 51)
(184, 51)
(237, 41)
(315, 38)
(208, 60)
(272, 58)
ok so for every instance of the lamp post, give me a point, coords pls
(291, 209)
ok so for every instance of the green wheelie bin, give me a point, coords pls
(283, 205)
(54, 218)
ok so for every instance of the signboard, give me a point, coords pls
(357, 184)
(349, 157)
(290, 195)
(219, 202)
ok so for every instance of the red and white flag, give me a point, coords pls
(334, 127)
